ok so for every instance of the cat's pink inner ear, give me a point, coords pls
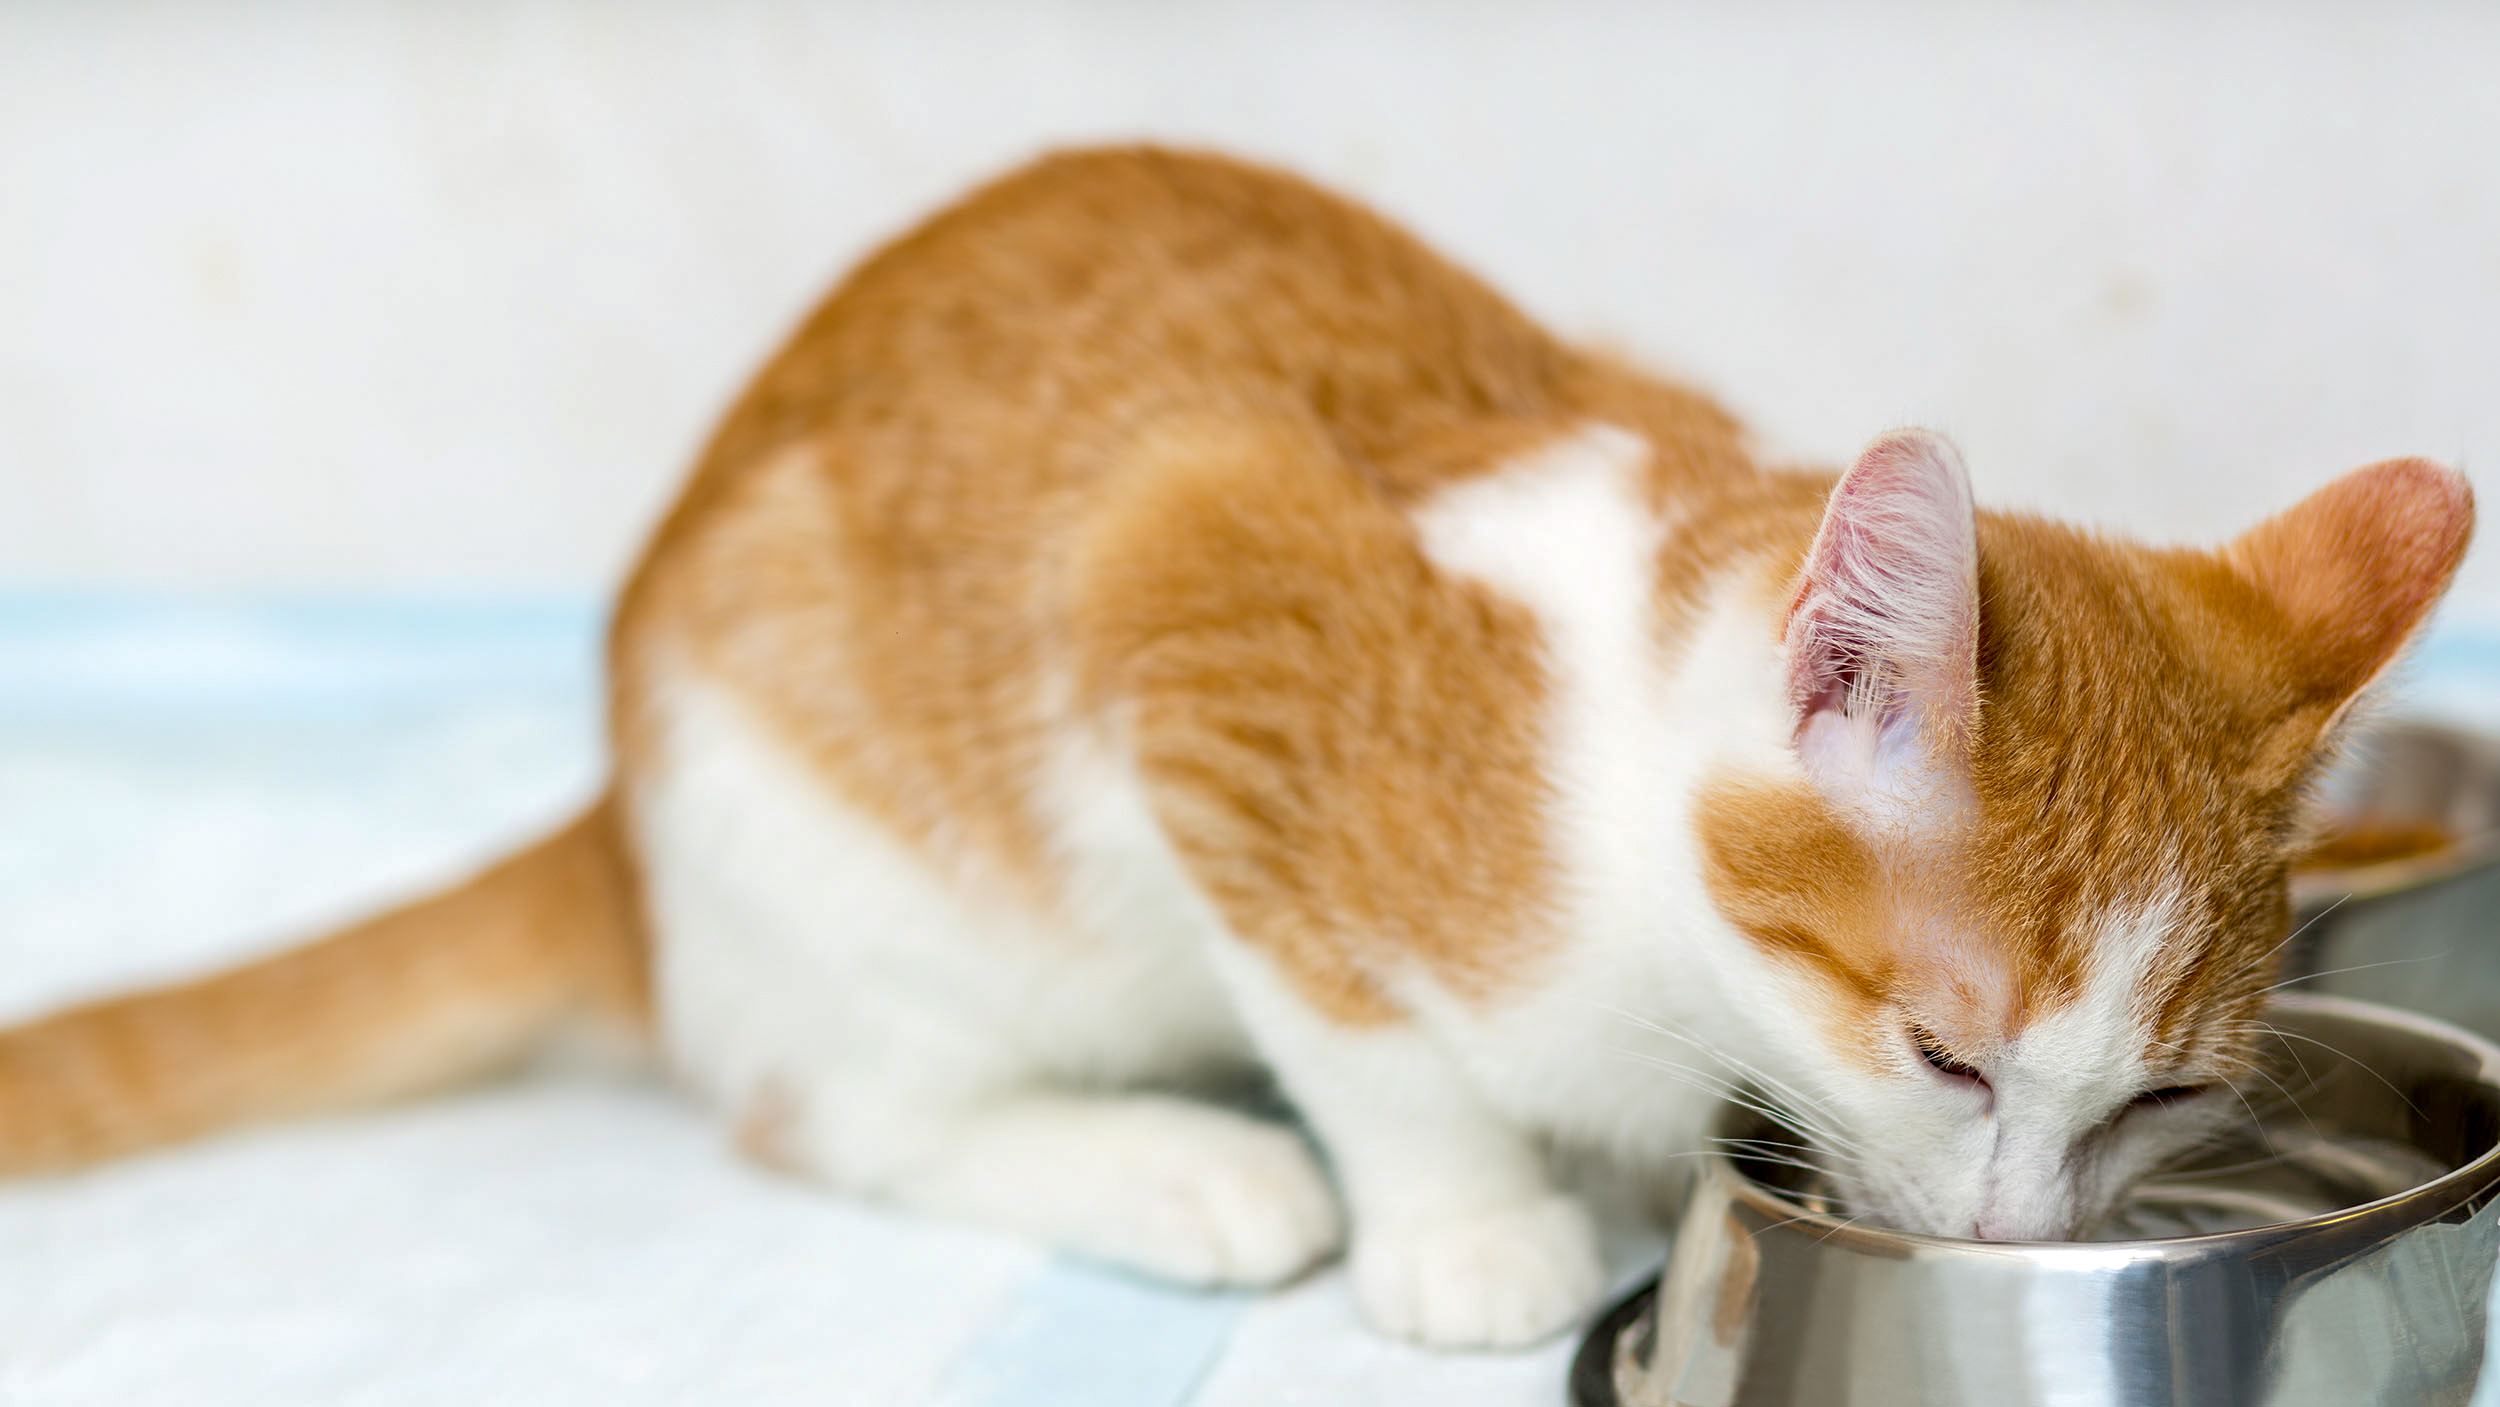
(1885, 612)
(2356, 566)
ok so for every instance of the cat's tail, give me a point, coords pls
(450, 987)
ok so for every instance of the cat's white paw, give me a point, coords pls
(1168, 1186)
(1500, 1279)
(1221, 1200)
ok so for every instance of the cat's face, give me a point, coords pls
(2024, 891)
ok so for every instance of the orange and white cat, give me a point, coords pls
(1157, 616)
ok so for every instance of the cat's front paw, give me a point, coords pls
(1179, 1190)
(1504, 1278)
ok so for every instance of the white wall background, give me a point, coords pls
(404, 295)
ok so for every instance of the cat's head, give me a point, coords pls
(2022, 867)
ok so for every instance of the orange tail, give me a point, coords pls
(448, 988)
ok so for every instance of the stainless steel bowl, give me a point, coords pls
(2420, 931)
(2342, 1254)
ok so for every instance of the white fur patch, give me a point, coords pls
(900, 1031)
(1612, 1044)
(1462, 1240)
(2058, 1085)
(801, 946)
(1564, 532)
(2089, 1054)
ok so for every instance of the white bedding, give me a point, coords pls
(179, 788)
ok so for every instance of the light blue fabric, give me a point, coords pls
(123, 661)
(1079, 1336)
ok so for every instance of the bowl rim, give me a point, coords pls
(2465, 854)
(2449, 1190)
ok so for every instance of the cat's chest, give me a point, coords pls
(1609, 1036)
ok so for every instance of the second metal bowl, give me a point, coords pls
(2411, 914)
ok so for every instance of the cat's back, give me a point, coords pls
(1008, 350)
(1099, 285)
(874, 553)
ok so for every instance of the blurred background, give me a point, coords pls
(349, 349)
(416, 297)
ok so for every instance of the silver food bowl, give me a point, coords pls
(2338, 1252)
(2403, 902)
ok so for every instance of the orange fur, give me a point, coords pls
(1161, 414)
(2150, 717)
(1251, 577)
(1127, 440)
(445, 989)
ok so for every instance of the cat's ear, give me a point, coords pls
(2356, 567)
(1882, 629)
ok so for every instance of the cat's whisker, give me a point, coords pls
(2288, 939)
(2291, 1101)
(1711, 1083)
(2259, 1030)
(2362, 1066)
(1775, 1162)
(1830, 1232)
(2357, 967)
(1771, 1143)
(1783, 1088)
(1818, 1216)
(1656, 1027)
(2310, 1081)
(1797, 1154)
(2253, 1121)
(2171, 1168)
(1801, 1112)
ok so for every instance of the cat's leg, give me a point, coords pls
(1461, 1238)
(933, 1116)
(1343, 748)
(945, 1124)
(871, 1025)
(1158, 1183)
(1170, 1186)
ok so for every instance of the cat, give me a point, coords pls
(1157, 617)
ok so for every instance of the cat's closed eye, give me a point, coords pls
(1940, 1059)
